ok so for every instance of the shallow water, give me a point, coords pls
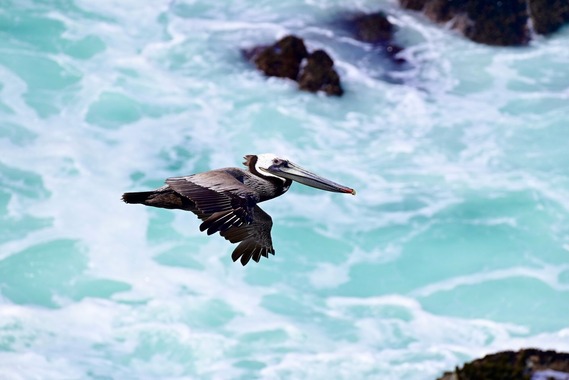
(456, 245)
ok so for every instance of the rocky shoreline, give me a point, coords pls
(501, 23)
(496, 23)
(526, 364)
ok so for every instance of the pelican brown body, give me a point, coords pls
(226, 200)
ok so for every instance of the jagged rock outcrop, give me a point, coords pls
(282, 59)
(319, 75)
(289, 58)
(495, 22)
(509, 365)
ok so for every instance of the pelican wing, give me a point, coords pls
(221, 200)
(255, 238)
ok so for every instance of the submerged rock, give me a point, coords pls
(376, 29)
(509, 365)
(496, 22)
(373, 27)
(288, 58)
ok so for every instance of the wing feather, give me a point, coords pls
(221, 200)
(255, 238)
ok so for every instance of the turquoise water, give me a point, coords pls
(456, 245)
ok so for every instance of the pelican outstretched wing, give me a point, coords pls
(255, 238)
(221, 200)
(223, 203)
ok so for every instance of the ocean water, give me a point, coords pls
(456, 245)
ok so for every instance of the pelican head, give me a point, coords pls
(271, 165)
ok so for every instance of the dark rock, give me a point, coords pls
(286, 57)
(443, 11)
(549, 15)
(319, 75)
(373, 28)
(495, 22)
(502, 22)
(415, 5)
(376, 29)
(281, 59)
(510, 365)
(252, 53)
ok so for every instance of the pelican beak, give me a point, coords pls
(300, 175)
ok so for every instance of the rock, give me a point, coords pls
(495, 22)
(319, 75)
(286, 57)
(510, 365)
(281, 59)
(502, 22)
(549, 15)
(373, 28)
(415, 5)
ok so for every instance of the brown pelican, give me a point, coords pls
(226, 200)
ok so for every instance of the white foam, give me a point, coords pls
(548, 274)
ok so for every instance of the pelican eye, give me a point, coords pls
(276, 161)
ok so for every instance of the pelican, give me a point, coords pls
(226, 200)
